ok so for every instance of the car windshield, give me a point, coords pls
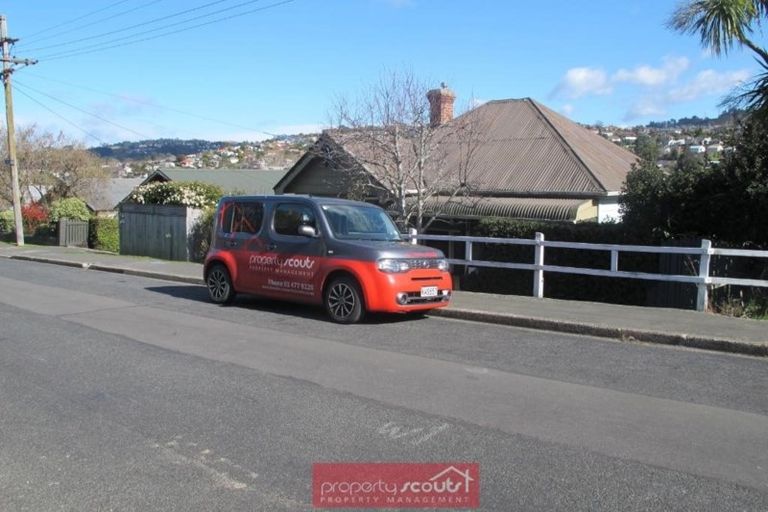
(353, 222)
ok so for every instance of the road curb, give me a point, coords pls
(112, 269)
(601, 331)
(148, 273)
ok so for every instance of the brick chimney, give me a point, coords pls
(440, 105)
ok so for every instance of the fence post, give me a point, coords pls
(62, 231)
(467, 255)
(702, 297)
(614, 261)
(538, 260)
(412, 234)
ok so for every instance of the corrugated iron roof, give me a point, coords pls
(250, 181)
(525, 147)
(513, 207)
(520, 147)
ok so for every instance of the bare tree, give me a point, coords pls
(388, 147)
(54, 166)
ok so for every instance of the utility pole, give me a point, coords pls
(8, 69)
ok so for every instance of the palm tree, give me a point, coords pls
(721, 25)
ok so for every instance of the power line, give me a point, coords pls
(59, 100)
(137, 25)
(152, 104)
(90, 24)
(77, 52)
(72, 123)
(77, 19)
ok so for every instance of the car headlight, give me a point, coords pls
(393, 266)
(442, 264)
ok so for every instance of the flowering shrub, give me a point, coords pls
(193, 194)
(33, 215)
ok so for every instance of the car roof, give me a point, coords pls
(302, 198)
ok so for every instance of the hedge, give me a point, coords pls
(201, 235)
(104, 234)
(571, 286)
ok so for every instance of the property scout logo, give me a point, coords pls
(401, 485)
(293, 266)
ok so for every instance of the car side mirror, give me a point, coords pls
(308, 231)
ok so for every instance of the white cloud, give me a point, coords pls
(567, 109)
(653, 77)
(708, 83)
(583, 81)
(644, 108)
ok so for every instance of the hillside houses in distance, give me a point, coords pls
(704, 137)
(139, 159)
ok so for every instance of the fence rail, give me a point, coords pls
(702, 280)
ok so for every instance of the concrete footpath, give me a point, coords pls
(628, 323)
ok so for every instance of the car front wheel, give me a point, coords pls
(344, 301)
(219, 284)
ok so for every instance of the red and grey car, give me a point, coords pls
(345, 255)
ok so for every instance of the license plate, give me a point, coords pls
(429, 291)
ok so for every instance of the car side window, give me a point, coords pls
(288, 218)
(243, 217)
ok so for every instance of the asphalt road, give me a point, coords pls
(125, 393)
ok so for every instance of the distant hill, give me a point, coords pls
(155, 148)
(728, 117)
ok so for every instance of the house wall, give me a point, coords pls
(319, 180)
(588, 211)
(608, 209)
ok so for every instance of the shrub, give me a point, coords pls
(201, 235)
(193, 194)
(70, 208)
(104, 234)
(7, 222)
(34, 215)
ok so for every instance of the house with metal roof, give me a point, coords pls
(243, 181)
(105, 202)
(529, 163)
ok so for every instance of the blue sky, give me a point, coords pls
(279, 69)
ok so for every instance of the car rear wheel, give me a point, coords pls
(344, 301)
(219, 284)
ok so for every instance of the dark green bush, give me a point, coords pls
(567, 286)
(104, 234)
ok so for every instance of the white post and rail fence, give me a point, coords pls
(702, 280)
